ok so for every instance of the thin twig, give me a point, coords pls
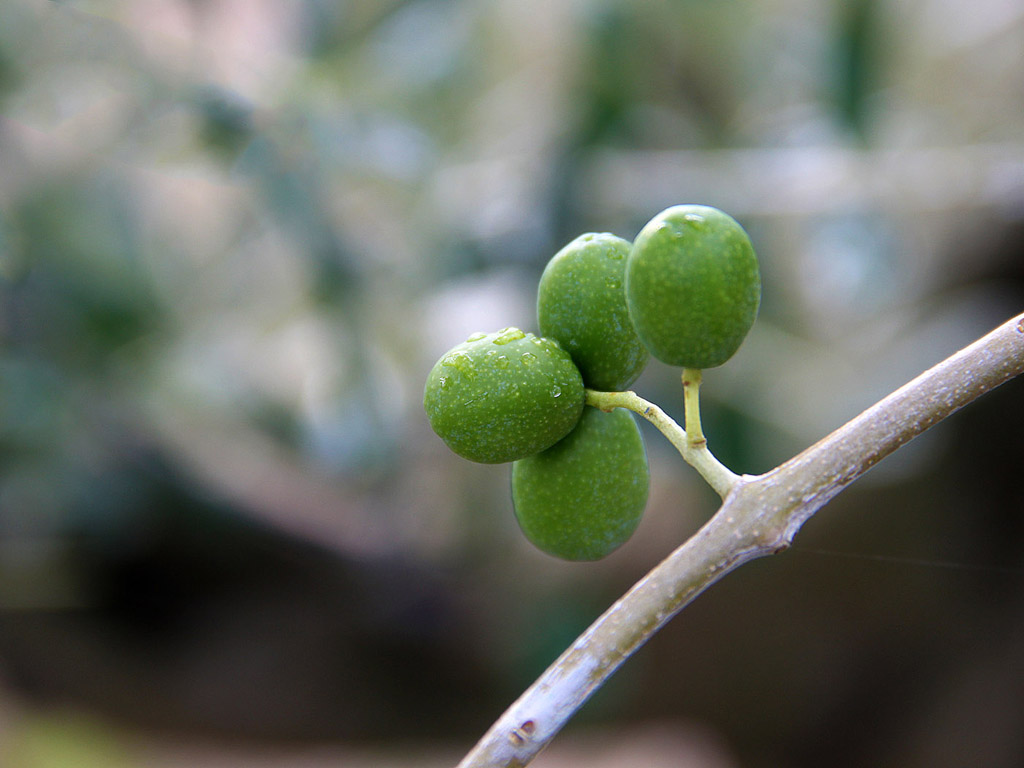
(760, 516)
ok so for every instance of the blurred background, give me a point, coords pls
(236, 234)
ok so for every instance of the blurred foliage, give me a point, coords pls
(857, 67)
(61, 741)
(234, 237)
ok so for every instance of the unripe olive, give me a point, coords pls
(581, 302)
(584, 496)
(693, 286)
(503, 396)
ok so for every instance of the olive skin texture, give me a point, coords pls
(503, 396)
(693, 286)
(581, 302)
(584, 497)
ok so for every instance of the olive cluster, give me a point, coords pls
(686, 291)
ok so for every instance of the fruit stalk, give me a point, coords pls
(695, 452)
(691, 403)
(760, 516)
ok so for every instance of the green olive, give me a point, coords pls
(503, 396)
(583, 497)
(581, 302)
(693, 286)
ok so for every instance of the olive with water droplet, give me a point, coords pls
(503, 396)
(693, 286)
(581, 302)
(584, 497)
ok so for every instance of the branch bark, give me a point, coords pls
(759, 516)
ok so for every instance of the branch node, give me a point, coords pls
(522, 734)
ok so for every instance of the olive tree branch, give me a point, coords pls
(693, 449)
(760, 516)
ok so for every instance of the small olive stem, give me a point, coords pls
(692, 378)
(760, 516)
(695, 452)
